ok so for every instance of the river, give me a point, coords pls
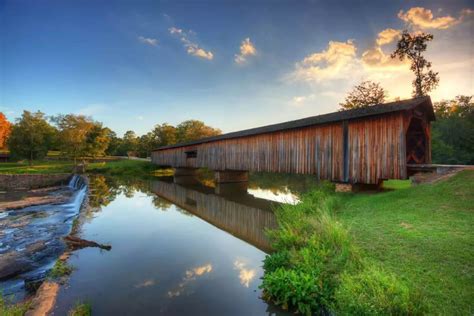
(176, 249)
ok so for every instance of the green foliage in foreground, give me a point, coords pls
(81, 309)
(60, 269)
(316, 264)
(18, 309)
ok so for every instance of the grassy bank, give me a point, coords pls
(408, 251)
(117, 168)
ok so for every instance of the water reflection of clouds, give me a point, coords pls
(245, 275)
(190, 275)
(278, 196)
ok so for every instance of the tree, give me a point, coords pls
(194, 129)
(81, 136)
(129, 145)
(365, 94)
(453, 131)
(412, 46)
(5, 128)
(164, 134)
(31, 137)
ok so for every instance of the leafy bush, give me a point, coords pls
(373, 291)
(292, 288)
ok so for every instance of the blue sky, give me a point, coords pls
(234, 65)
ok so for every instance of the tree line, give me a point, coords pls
(34, 134)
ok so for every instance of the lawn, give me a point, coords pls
(423, 234)
(119, 167)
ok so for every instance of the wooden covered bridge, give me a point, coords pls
(365, 145)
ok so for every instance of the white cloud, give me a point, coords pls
(192, 48)
(245, 275)
(301, 100)
(148, 41)
(387, 36)
(423, 18)
(247, 49)
(335, 62)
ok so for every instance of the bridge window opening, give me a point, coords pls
(191, 154)
(416, 142)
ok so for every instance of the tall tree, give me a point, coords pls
(31, 136)
(194, 129)
(129, 145)
(81, 136)
(164, 134)
(365, 94)
(5, 128)
(412, 46)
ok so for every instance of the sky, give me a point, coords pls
(232, 64)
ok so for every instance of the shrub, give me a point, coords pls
(60, 269)
(292, 289)
(7, 309)
(373, 291)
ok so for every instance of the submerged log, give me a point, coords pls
(78, 243)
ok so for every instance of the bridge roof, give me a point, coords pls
(352, 114)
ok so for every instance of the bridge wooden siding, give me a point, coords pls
(356, 146)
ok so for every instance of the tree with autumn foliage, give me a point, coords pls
(5, 129)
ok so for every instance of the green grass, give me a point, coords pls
(37, 167)
(18, 309)
(81, 309)
(60, 269)
(401, 252)
(115, 168)
(424, 235)
(124, 168)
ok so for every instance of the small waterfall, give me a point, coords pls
(77, 184)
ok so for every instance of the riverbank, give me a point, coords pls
(124, 167)
(408, 251)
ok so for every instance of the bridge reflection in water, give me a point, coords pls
(228, 207)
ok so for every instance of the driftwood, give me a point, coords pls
(78, 243)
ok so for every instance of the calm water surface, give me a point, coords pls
(176, 250)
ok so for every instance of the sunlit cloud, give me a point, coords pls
(192, 48)
(247, 49)
(245, 275)
(424, 18)
(190, 275)
(375, 59)
(148, 41)
(387, 36)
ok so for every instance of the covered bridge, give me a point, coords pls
(365, 145)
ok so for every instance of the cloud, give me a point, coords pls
(247, 49)
(192, 48)
(423, 18)
(145, 283)
(148, 41)
(190, 275)
(375, 59)
(298, 101)
(245, 275)
(387, 36)
(92, 109)
(335, 62)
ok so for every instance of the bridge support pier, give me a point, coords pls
(231, 176)
(231, 188)
(185, 176)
